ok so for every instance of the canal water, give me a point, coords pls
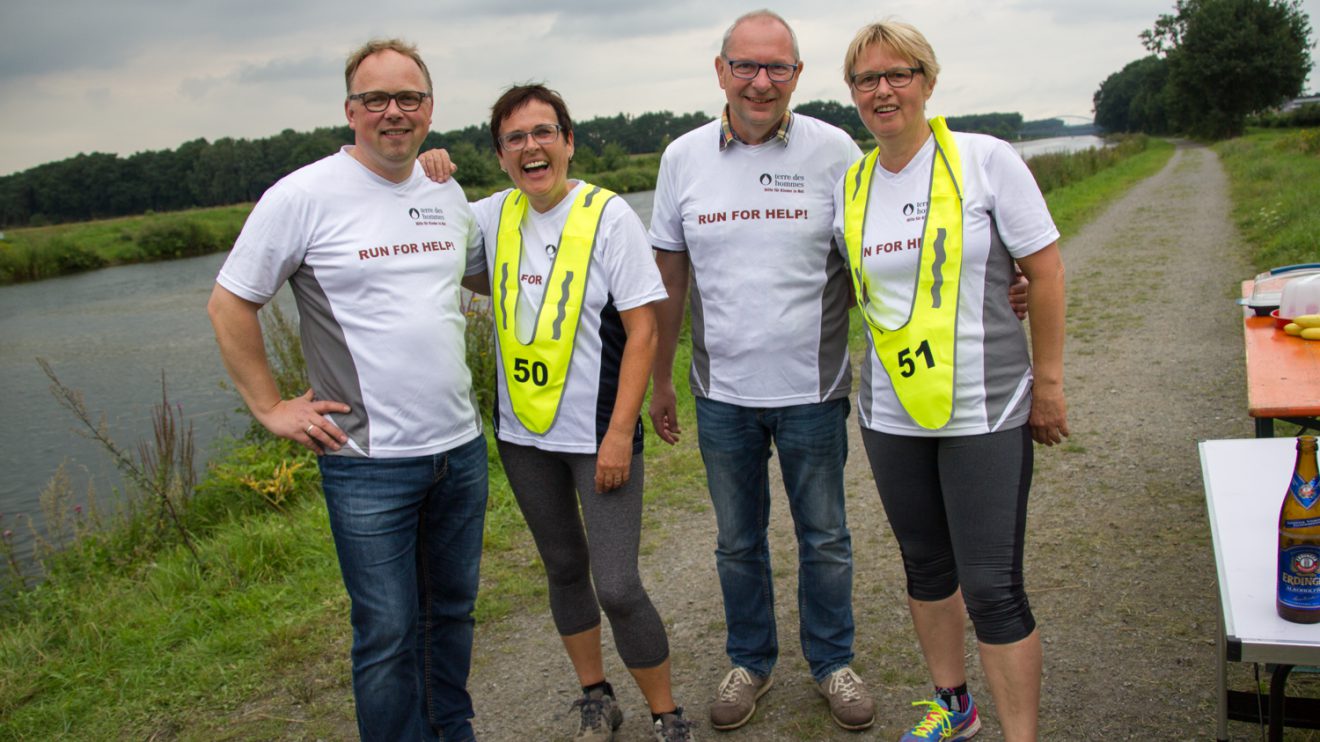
(1033, 147)
(109, 334)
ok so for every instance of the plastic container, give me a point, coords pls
(1267, 293)
(1300, 296)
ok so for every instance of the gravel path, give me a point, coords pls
(1118, 557)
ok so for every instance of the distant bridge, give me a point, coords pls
(1073, 120)
(1069, 124)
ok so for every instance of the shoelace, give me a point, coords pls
(592, 709)
(729, 688)
(845, 682)
(937, 718)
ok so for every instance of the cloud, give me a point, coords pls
(633, 22)
(196, 88)
(293, 74)
(42, 37)
(314, 67)
(1139, 14)
(98, 97)
(250, 68)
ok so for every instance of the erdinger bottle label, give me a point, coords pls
(1299, 577)
(1305, 491)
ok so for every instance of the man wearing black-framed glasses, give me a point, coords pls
(745, 206)
(375, 253)
(389, 125)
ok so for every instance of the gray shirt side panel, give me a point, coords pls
(1005, 345)
(700, 376)
(330, 367)
(835, 367)
(864, 394)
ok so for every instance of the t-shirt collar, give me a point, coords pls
(728, 135)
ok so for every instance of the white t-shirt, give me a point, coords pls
(1004, 218)
(621, 276)
(769, 292)
(375, 268)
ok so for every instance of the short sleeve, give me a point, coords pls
(666, 215)
(485, 213)
(271, 245)
(476, 246)
(838, 229)
(1021, 215)
(626, 254)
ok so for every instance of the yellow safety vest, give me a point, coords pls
(535, 372)
(919, 354)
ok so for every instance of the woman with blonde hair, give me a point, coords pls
(931, 223)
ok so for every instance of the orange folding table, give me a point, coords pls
(1283, 374)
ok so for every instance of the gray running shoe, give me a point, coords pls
(850, 704)
(673, 728)
(735, 700)
(601, 715)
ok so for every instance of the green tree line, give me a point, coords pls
(230, 171)
(1213, 63)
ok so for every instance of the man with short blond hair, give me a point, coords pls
(745, 205)
(375, 253)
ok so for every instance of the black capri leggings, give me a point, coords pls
(958, 507)
(549, 486)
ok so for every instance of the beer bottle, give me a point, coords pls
(1298, 596)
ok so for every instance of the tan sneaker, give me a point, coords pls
(850, 704)
(735, 700)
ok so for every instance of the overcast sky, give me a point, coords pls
(128, 75)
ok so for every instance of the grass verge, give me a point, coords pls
(1275, 180)
(35, 253)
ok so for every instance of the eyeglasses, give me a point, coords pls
(542, 134)
(745, 69)
(378, 100)
(899, 77)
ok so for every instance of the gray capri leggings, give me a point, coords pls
(958, 507)
(549, 487)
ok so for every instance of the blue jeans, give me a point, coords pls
(408, 534)
(813, 445)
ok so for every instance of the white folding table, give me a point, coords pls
(1244, 484)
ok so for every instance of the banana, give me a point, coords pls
(1308, 320)
(1292, 328)
(1311, 333)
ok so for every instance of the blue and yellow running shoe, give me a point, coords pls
(943, 725)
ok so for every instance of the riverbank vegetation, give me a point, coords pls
(1079, 186)
(37, 253)
(131, 633)
(1275, 176)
